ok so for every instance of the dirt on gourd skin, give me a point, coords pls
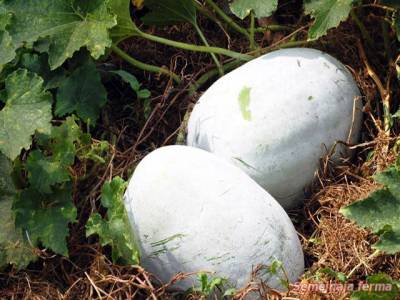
(329, 240)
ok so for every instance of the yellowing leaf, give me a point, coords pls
(138, 3)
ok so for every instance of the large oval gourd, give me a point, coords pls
(192, 211)
(277, 115)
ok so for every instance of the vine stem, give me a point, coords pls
(143, 66)
(214, 57)
(229, 21)
(278, 46)
(210, 74)
(234, 64)
(191, 47)
(386, 39)
(252, 31)
(272, 27)
(364, 31)
(209, 14)
(384, 93)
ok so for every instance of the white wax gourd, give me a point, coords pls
(192, 211)
(276, 116)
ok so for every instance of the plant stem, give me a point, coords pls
(384, 93)
(289, 44)
(208, 14)
(234, 64)
(210, 74)
(229, 21)
(386, 40)
(252, 30)
(363, 30)
(143, 66)
(272, 27)
(214, 57)
(192, 47)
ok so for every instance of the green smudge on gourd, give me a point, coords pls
(244, 102)
(245, 163)
(162, 245)
(167, 240)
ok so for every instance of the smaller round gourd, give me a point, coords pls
(276, 116)
(192, 211)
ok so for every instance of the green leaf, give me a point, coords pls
(39, 64)
(27, 109)
(6, 183)
(208, 284)
(45, 172)
(5, 18)
(45, 217)
(125, 26)
(96, 152)
(14, 248)
(62, 141)
(128, 78)
(243, 8)
(169, 12)
(381, 287)
(68, 25)
(380, 211)
(230, 292)
(82, 93)
(143, 94)
(328, 14)
(7, 47)
(115, 230)
(334, 274)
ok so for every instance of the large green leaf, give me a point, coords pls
(82, 93)
(14, 247)
(125, 27)
(380, 211)
(168, 12)
(38, 64)
(242, 8)
(46, 171)
(328, 14)
(6, 183)
(27, 109)
(115, 230)
(7, 47)
(45, 217)
(67, 25)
